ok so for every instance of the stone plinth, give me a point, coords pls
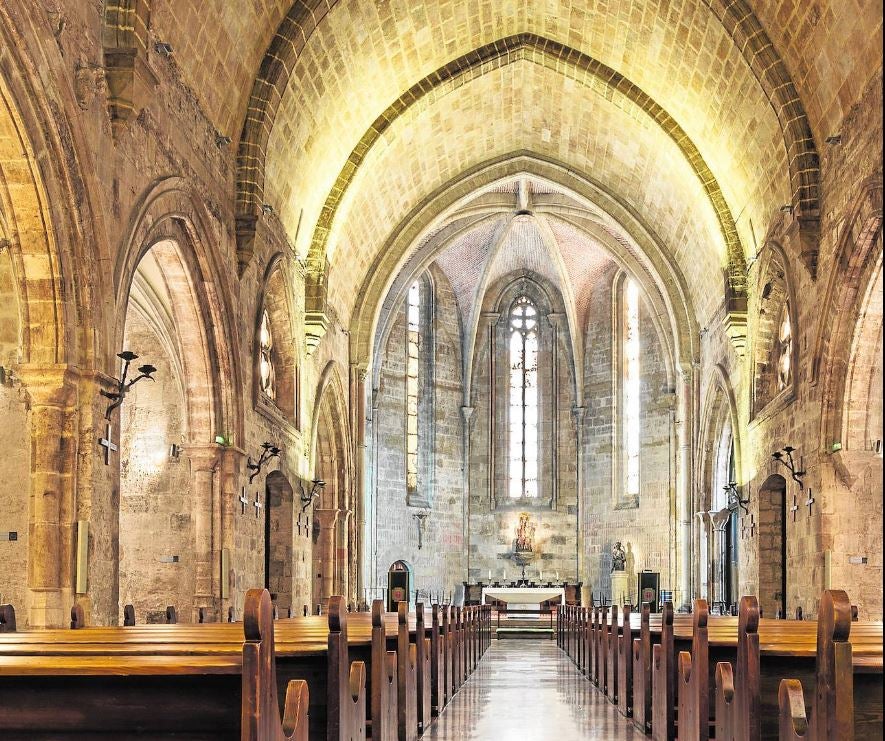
(620, 588)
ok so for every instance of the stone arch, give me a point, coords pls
(170, 212)
(774, 299)
(279, 554)
(849, 320)
(719, 427)
(554, 55)
(275, 297)
(660, 276)
(771, 542)
(334, 513)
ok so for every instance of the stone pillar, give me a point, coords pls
(342, 555)
(326, 519)
(491, 320)
(683, 480)
(52, 394)
(556, 322)
(466, 419)
(228, 491)
(719, 520)
(578, 421)
(358, 374)
(204, 461)
(704, 525)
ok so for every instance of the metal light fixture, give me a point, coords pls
(268, 451)
(316, 489)
(834, 139)
(785, 457)
(734, 498)
(123, 386)
(163, 48)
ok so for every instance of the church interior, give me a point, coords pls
(502, 316)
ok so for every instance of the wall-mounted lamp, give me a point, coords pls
(267, 209)
(834, 139)
(163, 48)
(785, 457)
(734, 500)
(268, 451)
(123, 386)
(786, 209)
(221, 140)
(316, 489)
(174, 452)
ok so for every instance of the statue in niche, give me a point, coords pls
(619, 557)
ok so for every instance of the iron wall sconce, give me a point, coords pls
(268, 451)
(785, 457)
(316, 489)
(734, 500)
(123, 386)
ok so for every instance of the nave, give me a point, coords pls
(529, 689)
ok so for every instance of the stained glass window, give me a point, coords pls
(631, 391)
(785, 350)
(523, 399)
(266, 373)
(413, 365)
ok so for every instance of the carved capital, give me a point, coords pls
(49, 385)
(246, 226)
(326, 518)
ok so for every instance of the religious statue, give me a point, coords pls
(525, 534)
(619, 557)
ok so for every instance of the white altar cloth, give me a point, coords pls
(524, 595)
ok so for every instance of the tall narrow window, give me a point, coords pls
(266, 371)
(784, 350)
(413, 366)
(523, 400)
(631, 393)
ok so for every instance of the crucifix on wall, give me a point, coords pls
(809, 502)
(244, 500)
(107, 444)
(420, 518)
(751, 528)
(795, 508)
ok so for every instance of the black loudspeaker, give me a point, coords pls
(650, 589)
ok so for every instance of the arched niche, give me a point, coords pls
(276, 345)
(772, 541)
(166, 431)
(334, 541)
(775, 332)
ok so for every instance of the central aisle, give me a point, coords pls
(529, 690)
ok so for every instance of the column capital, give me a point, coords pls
(720, 519)
(491, 317)
(326, 518)
(50, 385)
(203, 457)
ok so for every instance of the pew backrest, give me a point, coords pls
(7, 619)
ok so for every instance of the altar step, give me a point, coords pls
(512, 627)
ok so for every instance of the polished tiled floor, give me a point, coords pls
(528, 690)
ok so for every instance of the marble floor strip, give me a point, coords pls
(528, 690)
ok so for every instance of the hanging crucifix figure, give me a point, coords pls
(420, 518)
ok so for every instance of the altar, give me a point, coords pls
(523, 596)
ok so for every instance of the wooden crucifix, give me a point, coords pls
(107, 444)
(420, 517)
(809, 502)
(795, 508)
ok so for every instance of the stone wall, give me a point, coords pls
(645, 528)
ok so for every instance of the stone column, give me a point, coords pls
(342, 554)
(52, 394)
(228, 491)
(204, 461)
(578, 421)
(466, 419)
(719, 520)
(326, 519)
(704, 525)
(358, 374)
(491, 320)
(683, 480)
(556, 321)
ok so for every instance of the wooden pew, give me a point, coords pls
(625, 665)
(259, 713)
(384, 687)
(437, 667)
(611, 652)
(833, 705)
(423, 671)
(693, 687)
(407, 680)
(171, 615)
(7, 619)
(346, 701)
(663, 681)
(128, 615)
(738, 713)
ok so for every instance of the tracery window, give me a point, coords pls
(631, 388)
(267, 374)
(523, 441)
(784, 350)
(413, 371)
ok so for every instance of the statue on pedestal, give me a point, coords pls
(619, 557)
